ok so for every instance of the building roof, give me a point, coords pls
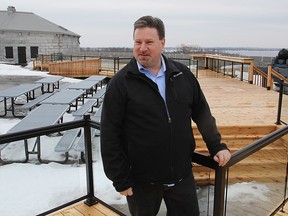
(11, 20)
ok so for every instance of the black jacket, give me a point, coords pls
(139, 140)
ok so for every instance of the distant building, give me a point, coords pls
(24, 35)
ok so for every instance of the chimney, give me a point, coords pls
(11, 9)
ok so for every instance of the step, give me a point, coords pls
(232, 130)
(265, 165)
(235, 145)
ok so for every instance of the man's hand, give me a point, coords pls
(222, 157)
(127, 192)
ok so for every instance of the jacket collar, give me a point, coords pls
(171, 69)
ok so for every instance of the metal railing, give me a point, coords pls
(109, 64)
(87, 124)
(220, 202)
(282, 115)
(221, 173)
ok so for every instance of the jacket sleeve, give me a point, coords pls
(114, 159)
(206, 123)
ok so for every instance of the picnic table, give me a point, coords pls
(98, 78)
(23, 89)
(90, 86)
(51, 81)
(66, 96)
(42, 116)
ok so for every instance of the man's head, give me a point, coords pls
(151, 22)
(149, 41)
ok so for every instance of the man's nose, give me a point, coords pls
(143, 47)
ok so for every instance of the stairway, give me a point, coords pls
(266, 165)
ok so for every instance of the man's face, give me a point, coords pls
(148, 47)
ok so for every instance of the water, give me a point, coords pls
(260, 53)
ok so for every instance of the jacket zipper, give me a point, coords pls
(170, 128)
(169, 122)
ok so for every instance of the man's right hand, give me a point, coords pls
(127, 192)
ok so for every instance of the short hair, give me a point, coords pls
(151, 22)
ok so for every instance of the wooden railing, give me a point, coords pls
(276, 74)
(260, 78)
(79, 68)
(255, 76)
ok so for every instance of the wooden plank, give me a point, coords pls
(72, 212)
(233, 102)
(81, 209)
(105, 210)
(87, 211)
(79, 68)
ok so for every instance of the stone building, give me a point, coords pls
(24, 35)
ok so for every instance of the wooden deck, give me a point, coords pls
(81, 209)
(232, 103)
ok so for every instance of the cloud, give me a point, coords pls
(205, 23)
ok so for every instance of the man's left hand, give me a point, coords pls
(222, 157)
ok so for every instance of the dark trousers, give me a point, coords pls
(180, 200)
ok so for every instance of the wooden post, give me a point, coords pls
(269, 77)
(251, 73)
(206, 62)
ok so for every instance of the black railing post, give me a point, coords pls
(197, 66)
(242, 71)
(219, 192)
(232, 69)
(278, 122)
(206, 61)
(91, 200)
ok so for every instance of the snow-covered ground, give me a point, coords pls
(31, 188)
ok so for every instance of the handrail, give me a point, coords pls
(197, 158)
(85, 65)
(278, 75)
(262, 73)
(86, 123)
(256, 146)
(26, 134)
(220, 172)
(280, 103)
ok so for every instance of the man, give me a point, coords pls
(146, 133)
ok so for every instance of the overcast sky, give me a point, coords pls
(207, 23)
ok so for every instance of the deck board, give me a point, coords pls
(81, 209)
(234, 102)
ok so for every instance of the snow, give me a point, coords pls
(32, 188)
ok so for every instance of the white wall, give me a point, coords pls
(46, 43)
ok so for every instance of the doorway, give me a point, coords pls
(22, 56)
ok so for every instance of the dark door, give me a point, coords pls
(22, 55)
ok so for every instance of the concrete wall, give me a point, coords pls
(46, 43)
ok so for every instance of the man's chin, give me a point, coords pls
(143, 62)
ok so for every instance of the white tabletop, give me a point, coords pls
(42, 116)
(84, 84)
(50, 79)
(65, 96)
(96, 77)
(19, 90)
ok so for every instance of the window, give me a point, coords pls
(34, 51)
(9, 52)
